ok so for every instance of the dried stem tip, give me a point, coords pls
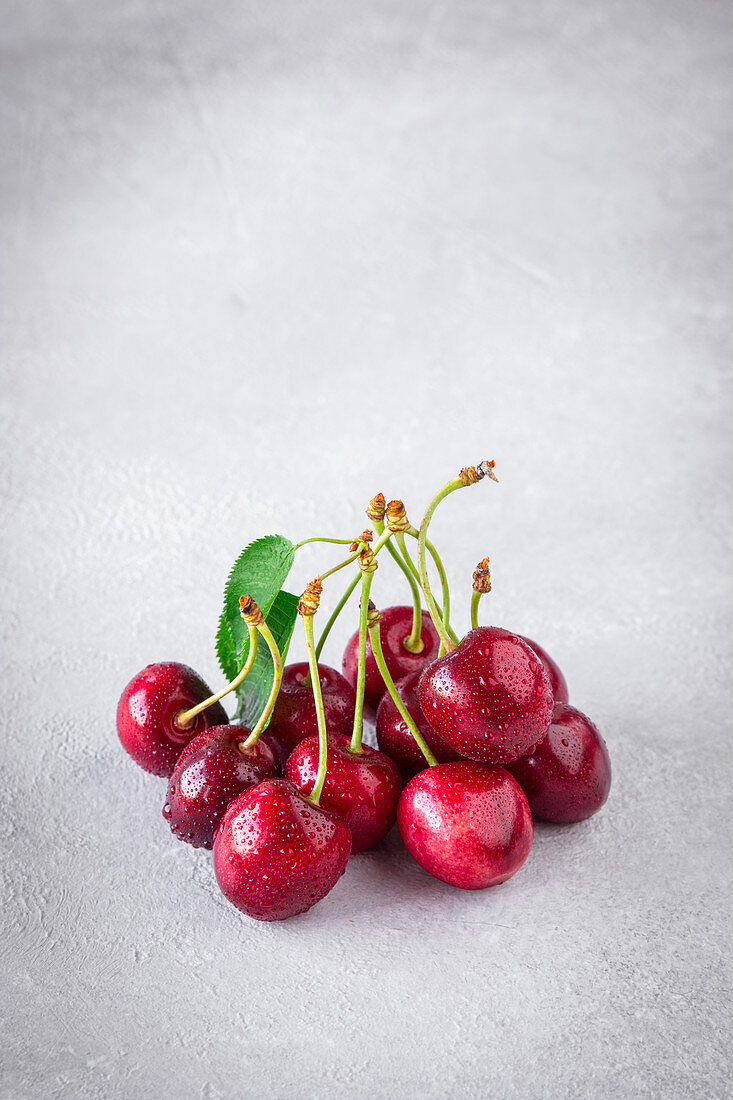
(309, 601)
(373, 616)
(365, 536)
(367, 560)
(482, 577)
(375, 509)
(397, 516)
(469, 475)
(249, 611)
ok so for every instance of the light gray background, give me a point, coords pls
(259, 262)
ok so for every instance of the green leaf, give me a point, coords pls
(260, 572)
(253, 693)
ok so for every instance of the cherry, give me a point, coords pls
(146, 714)
(294, 716)
(558, 683)
(468, 824)
(490, 698)
(394, 628)
(395, 739)
(363, 787)
(212, 769)
(568, 775)
(276, 854)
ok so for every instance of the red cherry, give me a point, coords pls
(212, 769)
(395, 739)
(147, 711)
(568, 776)
(276, 854)
(364, 788)
(395, 626)
(490, 698)
(468, 824)
(558, 683)
(294, 716)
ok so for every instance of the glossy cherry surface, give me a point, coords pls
(395, 739)
(558, 683)
(468, 824)
(490, 698)
(276, 854)
(394, 627)
(294, 716)
(364, 788)
(212, 770)
(147, 710)
(568, 776)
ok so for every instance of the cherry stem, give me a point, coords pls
(475, 600)
(315, 795)
(185, 718)
(335, 614)
(440, 568)
(337, 542)
(468, 476)
(366, 584)
(378, 653)
(345, 562)
(277, 662)
(413, 643)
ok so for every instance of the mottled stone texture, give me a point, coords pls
(260, 261)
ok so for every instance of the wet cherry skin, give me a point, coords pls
(276, 854)
(558, 683)
(490, 698)
(394, 627)
(212, 770)
(468, 824)
(568, 775)
(395, 739)
(294, 716)
(148, 707)
(364, 788)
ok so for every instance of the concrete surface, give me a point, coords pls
(260, 261)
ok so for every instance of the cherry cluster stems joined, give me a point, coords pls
(277, 662)
(315, 795)
(185, 719)
(376, 642)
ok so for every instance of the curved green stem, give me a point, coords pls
(366, 584)
(277, 662)
(376, 642)
(445, 612)
(414, 643)
(184, 720)
(443, 634)
(338, 542)
(335, 614)
(315, 795)
(475, 600)
(343, 564)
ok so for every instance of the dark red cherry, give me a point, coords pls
(395, 739)
(147, 711)
(364, 788)
(276, 854)
(294, 716)
(568, 776)
(394, 628)
(490, 698)
(558, 683)
(212, 770)
(468, 824)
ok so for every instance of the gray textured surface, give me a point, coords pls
(259, 262)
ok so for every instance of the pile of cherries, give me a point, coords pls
(475, 739)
